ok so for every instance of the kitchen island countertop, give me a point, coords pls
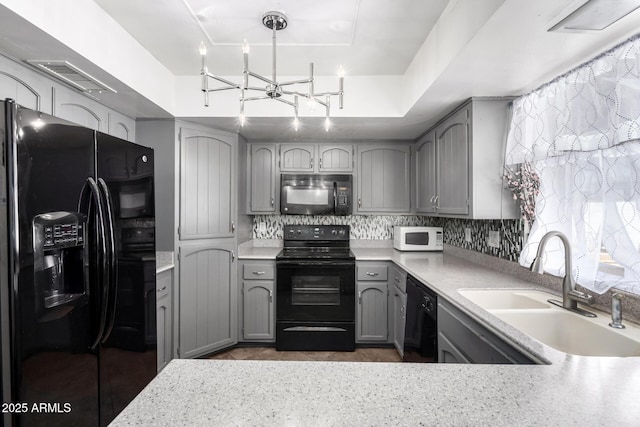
(570, 390)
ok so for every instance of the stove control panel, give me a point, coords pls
(316, 232)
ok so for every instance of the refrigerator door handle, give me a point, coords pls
(103, 273)
(112, 257)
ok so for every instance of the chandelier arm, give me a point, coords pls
(328, 93)
(261, 89)
(294, 82)
(218, 89)
(264, 79)
(225, 81)
(292, 92)
(286, 102)
(256, 98)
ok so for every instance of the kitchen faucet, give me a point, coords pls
(570, 296)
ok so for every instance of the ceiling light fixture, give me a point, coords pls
(275, 90)
(596, 15)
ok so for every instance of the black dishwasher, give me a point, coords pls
(421, 332)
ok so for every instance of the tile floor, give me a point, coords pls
(270, 353)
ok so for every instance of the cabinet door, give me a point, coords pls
(262, 178)
(371, 322)
(453, 161)
(207, 188)
(69, 105)
(448, 352)
(258, 310)
(297, 158)
(121, 126)
(426, 174)
(335, 158)
(207, 293)
(399, 317)
(164, 318)
(383, 179)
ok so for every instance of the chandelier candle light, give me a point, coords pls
(274, 90)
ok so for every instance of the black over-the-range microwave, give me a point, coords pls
(315, 194)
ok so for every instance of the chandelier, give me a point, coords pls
(279, 91)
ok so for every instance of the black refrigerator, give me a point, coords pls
(77, 278)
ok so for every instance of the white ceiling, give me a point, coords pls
(436, 53)
(368, 37)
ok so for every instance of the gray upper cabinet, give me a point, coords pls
(335, 158)
(207, 185)
(24, 86)
(208, 301)
(261, 172)
(78, 109)
(297, 158)
(459, 163)
(37, 92)
(425, 161)
(383, 179)
(452, 140)
(121, 126)
(316, 158)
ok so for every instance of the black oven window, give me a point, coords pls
(315, 290)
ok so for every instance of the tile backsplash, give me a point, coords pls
(379, 227)
(374, 227)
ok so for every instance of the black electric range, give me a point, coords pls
(315, 289)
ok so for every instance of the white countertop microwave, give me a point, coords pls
(417, 238)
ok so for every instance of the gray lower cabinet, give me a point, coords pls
(258, 301)
(372, 303)
(383, 179)
(398, 298)
(164, 290)
(208, 297)
(463, 340)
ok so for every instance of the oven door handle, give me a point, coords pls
(314, 329)
(332, 263)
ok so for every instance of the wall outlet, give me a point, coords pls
(493, 240)
(467, 235)
(262, 227)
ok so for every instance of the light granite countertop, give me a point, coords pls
(570, 390)
(164, 261)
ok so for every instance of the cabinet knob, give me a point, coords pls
(233, 227)
(359, 297)
(270, 296)
(371, 274)
(272, 202)
(258, 273)
(359, 203)
(233, 256)
(320, 162)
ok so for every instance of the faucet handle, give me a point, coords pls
(581, 297)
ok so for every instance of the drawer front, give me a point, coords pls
(398, 278)
(372, 272)
(258, 271)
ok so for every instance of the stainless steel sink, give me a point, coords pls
(529, 312)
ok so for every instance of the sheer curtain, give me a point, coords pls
(581, 133)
